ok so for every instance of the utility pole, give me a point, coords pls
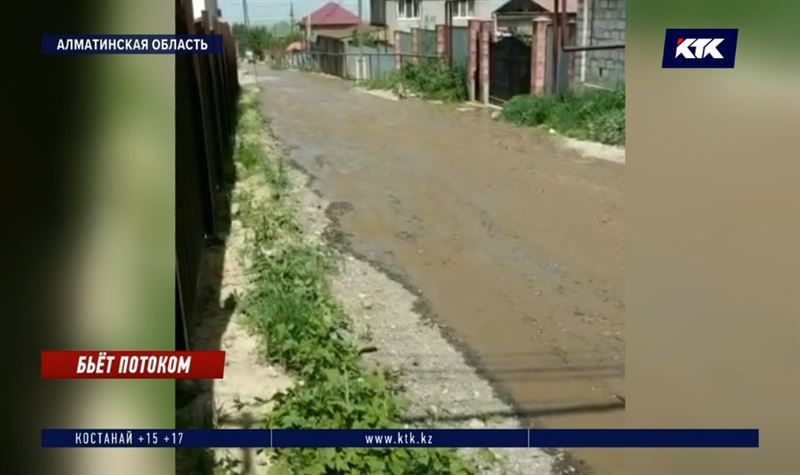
(361, 74)
(449, 8)
(556, 39)
(308, 29)
(246, 16)
(291, 16)
(247, 30)
(211, 14)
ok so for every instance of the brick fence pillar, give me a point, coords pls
(398, 60)
(415, 45)
(486, 28)
(539, 55)
(472, 66)
(441, 40)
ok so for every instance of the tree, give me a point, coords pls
(239, 29)
(282, 28)
(258, 39)
(261, 39)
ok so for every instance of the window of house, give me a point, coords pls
(408, 9)
(464, 8)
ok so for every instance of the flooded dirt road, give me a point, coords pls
(514, 244)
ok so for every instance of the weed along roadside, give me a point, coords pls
(597, 116)
(427, 80)
(290, 305)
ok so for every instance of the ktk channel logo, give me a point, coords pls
(700, 48)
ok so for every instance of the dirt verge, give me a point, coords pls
(440, 386)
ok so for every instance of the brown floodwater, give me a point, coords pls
(514, 244)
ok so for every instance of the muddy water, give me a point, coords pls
(515, 244)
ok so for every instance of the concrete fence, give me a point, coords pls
(599, 25)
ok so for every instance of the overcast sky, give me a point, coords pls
(272, 11)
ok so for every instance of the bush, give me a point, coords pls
(598, 116)
(428, 80)
(528, 110)
(609, 127)
(435, 81)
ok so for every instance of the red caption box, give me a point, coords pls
(133, 364)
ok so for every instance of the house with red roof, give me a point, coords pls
(330, 16)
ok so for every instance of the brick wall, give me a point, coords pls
(605, 25)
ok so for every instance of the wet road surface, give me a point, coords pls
(514, 244)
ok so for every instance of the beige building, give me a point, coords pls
(402, 15)
(516, 17)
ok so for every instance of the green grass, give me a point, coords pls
(428, 80)
(306, 331)
(597, 116)
(386, 81)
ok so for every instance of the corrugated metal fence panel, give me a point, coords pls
(302, 60)
(332, 64)
(365, 62)
(427, 42)
(563, 66)
(353, 67)
(384, 65)
(460, 38)
(205, 115)
(192, 216)
(405, 42)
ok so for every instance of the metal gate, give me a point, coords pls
(510, 69)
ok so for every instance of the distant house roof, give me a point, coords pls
(296, 46)
(535, 6)
(332, 14)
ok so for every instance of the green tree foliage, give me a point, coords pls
(364, 38)
(263, 40)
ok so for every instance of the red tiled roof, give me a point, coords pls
(296, 46)
(332, 14)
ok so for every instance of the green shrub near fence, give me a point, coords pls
(427, 79)
(434, 81)
(597, 115)
(388, 81)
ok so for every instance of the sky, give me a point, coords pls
(272, 11)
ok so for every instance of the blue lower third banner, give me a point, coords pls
(131, 44)
(416, 438)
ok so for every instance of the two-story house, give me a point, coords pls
(402, 15)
